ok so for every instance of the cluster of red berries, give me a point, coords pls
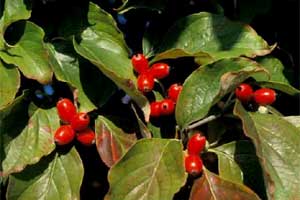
(262, 96)
(146, 80)
(74, 125)
(167, 105)
(147, 74)
(193, 161)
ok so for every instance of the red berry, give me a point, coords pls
(66, 109)
(80, 121)
(196, 144)
(155, 109)
(193, 164)
(64, 135)
(86, 137)
(140, 63)
(174, 91)
(145, 82)
(264, 96)
(160, 70)
(167, 107)
(244, 92)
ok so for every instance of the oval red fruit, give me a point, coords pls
(155, 109)
(86, 137)
(145, 82)
(193, 164)
(196, 144)
(66, 110)
(159, 70)
(167, 107)
(140, 63)
(64, 135)
(244, 92)
(264, 96)
(80, 121)
(174, 91)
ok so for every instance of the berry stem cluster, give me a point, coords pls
(262, 96)
(146, 80)
(74, 125)
(193, 161)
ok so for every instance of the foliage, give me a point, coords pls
(83, 50)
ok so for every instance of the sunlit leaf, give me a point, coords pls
(277, 145)
(152, 169)
(58, 176)
(14, 10)
(210, 37)
(29, 54)
(103, 44)
(35, 141)
(84, 77)
(9, 84)
(208, 84)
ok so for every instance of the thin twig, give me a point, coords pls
(203, 121)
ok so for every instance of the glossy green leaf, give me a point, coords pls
(295, 120)
(212, 187)
(14, 10)
(277, 145)
(9, 84)
(58, 176)
(35, 141)
(228, 168)
(103, 44)
(208, 84)
(212, 37)
(30, 54)
(157, 5)
(111, 141)
(277, 78)
(85, 78)
(152, 169)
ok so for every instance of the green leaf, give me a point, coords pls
(152, 169)
(14, 10)
(295, 120)
(211, 37)
(211, 186)
(111, 141)
(35, 141)
(30, 54)
(157, 5)
(103, 44)
(155, 130)
(228, 168)
(208, 84)
(9, 85)
(58, 176)
(145, 132)
(13, 118)
(277, 78)
(277, 145)
(85, 78)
